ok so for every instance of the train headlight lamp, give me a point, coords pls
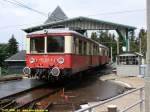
(60, 60)
(27, 70)
(55, 71)
(32, 60)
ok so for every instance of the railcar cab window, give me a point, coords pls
(37, 45)
(55, 44)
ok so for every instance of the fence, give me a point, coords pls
(90, 108)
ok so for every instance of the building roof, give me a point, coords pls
(20, 56)
(56, 15)
(131, 54)
(81, 23)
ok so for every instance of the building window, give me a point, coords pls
(55, 44)
(37, 45)
(128, 60)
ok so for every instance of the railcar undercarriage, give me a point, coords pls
(48, 73)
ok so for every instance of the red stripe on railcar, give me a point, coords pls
(48, 60)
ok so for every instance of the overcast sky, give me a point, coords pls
(14, 18)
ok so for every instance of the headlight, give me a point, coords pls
(32, 60)
(27, 70)
(55, 71)
(60, 60)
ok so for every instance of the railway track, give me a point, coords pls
(25, 101)
(44, 98)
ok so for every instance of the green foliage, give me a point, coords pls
(94, 36)
(135, 42)
(134, 45)
(109, 40)
(12, 46)
(143, 36)
(8, 49)
(3, 53)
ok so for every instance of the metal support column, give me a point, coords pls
(117, 46)
(147, 78)
(124, 36)
(127, 41)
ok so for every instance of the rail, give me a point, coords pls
(119, 96)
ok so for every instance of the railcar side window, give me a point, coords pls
(85, 48)
(76, 46)
(88, 48)
(91, 49)
(37, 45)
(80, 47)
(94, 49)
(55, 44)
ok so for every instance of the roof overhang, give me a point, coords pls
(131, 54)
(82, 23)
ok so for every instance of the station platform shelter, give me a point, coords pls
(129, 64)
(58, 19)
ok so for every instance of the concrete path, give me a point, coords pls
(121, 103)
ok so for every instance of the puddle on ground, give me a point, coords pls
(88, 89)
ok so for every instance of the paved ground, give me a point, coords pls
(13, 87)
(133, 82)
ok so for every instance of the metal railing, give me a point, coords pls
(119, 96)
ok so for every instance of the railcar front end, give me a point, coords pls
(48, 55)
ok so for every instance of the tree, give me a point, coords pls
(143, 36)
(3, 53)
(107, 39)
(12, 46)
(94, 36)
(134, 43)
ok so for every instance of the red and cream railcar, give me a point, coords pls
(59, 53)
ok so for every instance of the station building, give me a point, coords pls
(129, 64)
(16, 62)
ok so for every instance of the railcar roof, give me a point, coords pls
(100, 45)
(55, 31)
(58, 31)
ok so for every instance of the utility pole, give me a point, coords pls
(117, 46)
(111, 54)
(147, 78)
(140, 46)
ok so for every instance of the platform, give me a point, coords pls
(13, 87)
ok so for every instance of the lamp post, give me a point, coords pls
(147, 77)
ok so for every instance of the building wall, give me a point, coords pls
(15, 67)
(128, 70)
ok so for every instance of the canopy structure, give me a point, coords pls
(82, 24)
